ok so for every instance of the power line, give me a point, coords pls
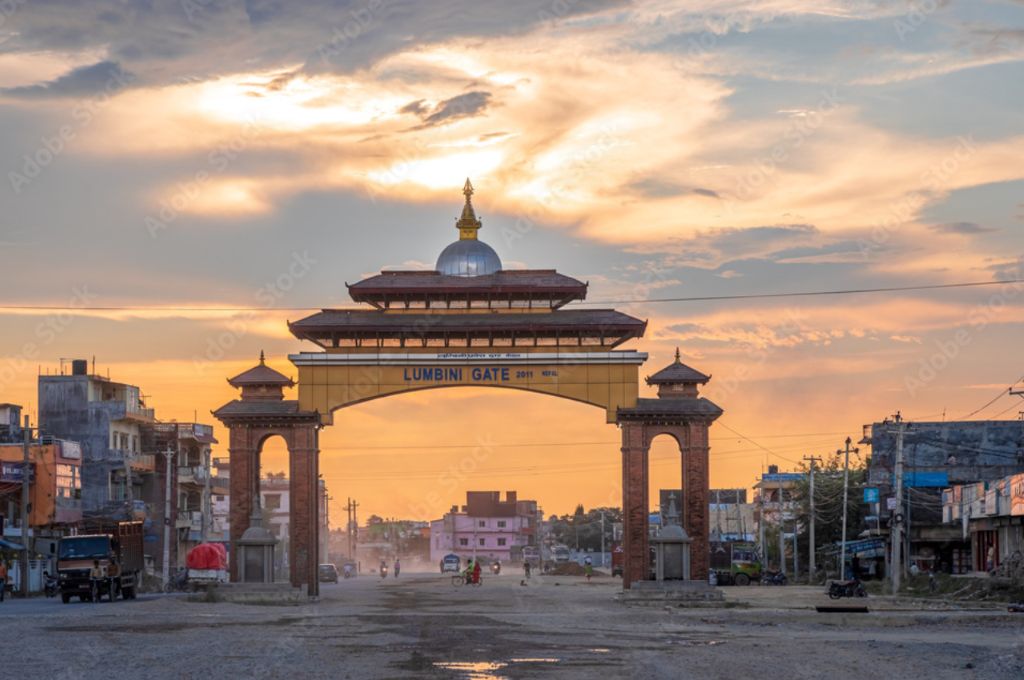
(1002, 393)
(698, 298)
(845, 291)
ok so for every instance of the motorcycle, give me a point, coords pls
(383, 571)
(51, 587)
(495, 568)
(851, 588)
(773, 578)
(178, 582)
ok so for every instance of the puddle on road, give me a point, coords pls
(486, 670)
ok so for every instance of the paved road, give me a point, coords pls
(420, 626)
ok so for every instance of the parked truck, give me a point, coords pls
(118, 541)
(735, 563)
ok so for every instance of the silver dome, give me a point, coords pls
(468, 257)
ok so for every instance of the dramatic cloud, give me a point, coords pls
(84, 81)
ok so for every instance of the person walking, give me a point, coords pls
(398, 567)
(3, 579)
(96, 576)
(526, 568)
(588, 567)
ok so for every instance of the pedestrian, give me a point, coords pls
(588, 567)
(526, 568)
(398, 567)
(96, 577)
(990, 561)
(3, 579)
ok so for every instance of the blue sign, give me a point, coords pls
(871, 494)
(925, 479)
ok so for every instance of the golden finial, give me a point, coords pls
(468, 224)
(261, 358)
(677, 356)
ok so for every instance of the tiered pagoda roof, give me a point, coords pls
(468, 301)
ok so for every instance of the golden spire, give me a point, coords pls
(677, 356)
(468, 224)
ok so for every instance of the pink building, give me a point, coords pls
(487, 527)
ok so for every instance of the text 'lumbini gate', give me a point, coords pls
(468, 322)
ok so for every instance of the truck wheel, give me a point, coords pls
(65, 597)
(742, 580)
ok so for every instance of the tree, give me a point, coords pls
(586, 525)
(828, 502)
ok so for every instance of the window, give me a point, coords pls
(118, 487)
(220, 498)
(482, 524)
(501, 524)
(483, 541)
(272, 501)
(464, 542)
(501, 542)
(69, 484)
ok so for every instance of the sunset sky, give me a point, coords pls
(179, 158)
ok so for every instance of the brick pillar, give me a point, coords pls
(244, 464)
(695, 474)
(635, 506)
(303, 508)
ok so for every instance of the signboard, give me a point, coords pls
(11, 472)
(890, 503)
(871, 494)
(925, 479)
(71, 450)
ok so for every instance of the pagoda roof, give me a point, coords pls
(677, 372)
(669, 408)
(569, 321)
(240, 409)
(261, 374)
(418, 284)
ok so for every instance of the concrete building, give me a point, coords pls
(486, 526)
(990, 515)
(937, 456)
(128, 457)
(55, 476)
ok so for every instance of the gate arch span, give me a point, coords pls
(472, 322)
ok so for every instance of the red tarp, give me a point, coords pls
(207, 556)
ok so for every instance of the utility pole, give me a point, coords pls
(27, 436)
(602, 539)
(896, 527)
(165, 570)
(812, 566)
(348, 525)
(846, 485)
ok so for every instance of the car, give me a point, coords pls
(450, 564)
(328, 573)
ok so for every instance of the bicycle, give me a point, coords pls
(460, 580)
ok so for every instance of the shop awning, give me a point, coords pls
(7, 545)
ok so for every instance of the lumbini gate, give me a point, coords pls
(469, 322)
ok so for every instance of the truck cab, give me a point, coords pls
(76, 556)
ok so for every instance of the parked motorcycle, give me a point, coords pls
(773, 578)
(851, 588)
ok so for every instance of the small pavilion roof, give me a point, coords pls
(677, 372)
(261, 374)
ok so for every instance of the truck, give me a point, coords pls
(561, 554)
(120, 541)
(735, 563)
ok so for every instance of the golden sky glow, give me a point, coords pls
(652, 149)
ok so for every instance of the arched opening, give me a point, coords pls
(557, 452)
(273, 461)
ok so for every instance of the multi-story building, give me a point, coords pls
(937, 456)
(130, 460)
(776, 507)
(55, 478)
(990, 515)
(486, 526)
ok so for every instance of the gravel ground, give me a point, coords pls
(420, 626)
